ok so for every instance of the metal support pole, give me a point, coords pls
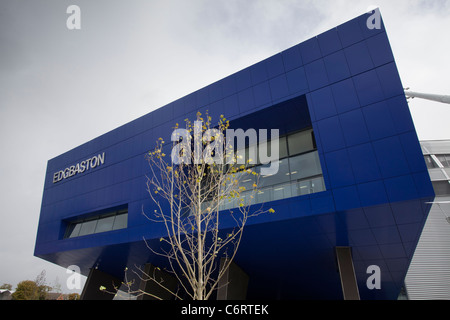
(428, 96)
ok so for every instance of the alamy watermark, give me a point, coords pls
(73, 281)
(374, 280)
(73, 22)
(374, 20)
(219, 147)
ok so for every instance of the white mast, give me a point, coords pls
(428, 96)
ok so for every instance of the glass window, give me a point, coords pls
(247, 155)
(317, 185)
(264, 195)
(444, 159)
(300, 142)
(228, 204)
(246, 179)
(282, 191)
(441, 188)
(120, 222)
(300, 188)
(247, 198)
(305, 165)
(430, 162)
(105, 224)
(73, 230)
(297, 175)
(87, 227)
(280, 177)
(282, 149)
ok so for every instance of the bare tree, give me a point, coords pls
(41, 283)
(200, 199)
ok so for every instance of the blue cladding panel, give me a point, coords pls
(422, 183)
(375, 175)
(243, 79)
(398, 108)
(390, 80)
(391, 159)
(350, 33)
(323, 102)
(372, 193)
(358, 58)
(297, 81)
(215, 94)
(336, 66)
(292, 58)
(274, 66)
(228, 86)
(380, 216)
(246, 101)
(368, 88)
(190, 103)
(345, 96)
(258, 73)
(316, 74)
(310, 50)
(346, 198)
(231, 105)
(339, 168)
(412, 152)
(378, 120)
(354, 127)
(279, 87)
(329, 42)
(379, 49)
(261, 93)
(331, 134)
(364, 163)
(401, 188)
(215, 109)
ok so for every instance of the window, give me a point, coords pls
(105, 224)
(305, 165)
(299, 172)
(87, 227)
(121, 221)
(430, 162)
(247, 180)
(280, 177)
(282, 191)
(441, 188)
(282, 149)
(308, 186)
(73, 229)
(101, 223)
(300, 142)
(444, 159)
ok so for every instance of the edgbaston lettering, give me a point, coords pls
(80, 167)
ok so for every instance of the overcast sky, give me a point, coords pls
(60, 88)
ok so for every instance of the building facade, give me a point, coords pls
(428, 277)
(352, 189)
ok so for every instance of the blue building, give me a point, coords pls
(352, 190)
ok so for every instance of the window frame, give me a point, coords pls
(74, 227)
(270, 190)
